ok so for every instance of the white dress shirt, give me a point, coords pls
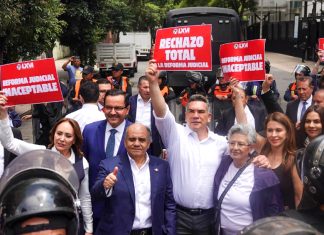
(118, 135)
(236, 212)
(300, 107)
(193, 162)
(249, 117)
(89, 113)
(142, 186)
(143, 111)
(18, 147)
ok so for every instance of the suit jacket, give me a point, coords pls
(94, 150)
(119, 210)
(8, 156)
(228, 118)
(291, 112)
(156, 145)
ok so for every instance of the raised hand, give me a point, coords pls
(3, 109)
(267, 82)
(151, 71)
(111, 179)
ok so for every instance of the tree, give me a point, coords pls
(88, 22)
(240, 6)
(28, 28)
(193, 3)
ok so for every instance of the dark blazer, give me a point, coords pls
(119, 209)
(291, 112)
(156, 145)
(228, 118)
(94, 150)
(8, 156)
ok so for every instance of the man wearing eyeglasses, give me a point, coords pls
(104, 139)
(118, 81)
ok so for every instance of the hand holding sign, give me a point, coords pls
(151, 72)
(111, 179)
(3, 110)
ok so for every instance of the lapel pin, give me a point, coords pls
(156, 169)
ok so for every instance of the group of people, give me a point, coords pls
(215, 181)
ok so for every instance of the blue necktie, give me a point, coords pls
(303, 110)
(111, 143)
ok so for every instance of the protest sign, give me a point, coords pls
(321, 49)
(243, 60)
(30, 82)
(184, 48)
(321, 43)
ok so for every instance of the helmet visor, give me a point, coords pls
(45, 162)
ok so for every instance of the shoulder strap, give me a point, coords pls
(238, 173)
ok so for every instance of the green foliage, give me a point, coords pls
(240, 6)
(28, 27)
(88, 22)
(194, 3)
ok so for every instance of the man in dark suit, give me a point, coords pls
(136, 188)
(141, 111)
(296, 109)
(97, 134)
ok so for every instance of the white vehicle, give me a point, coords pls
(142, 40)
(110, 53)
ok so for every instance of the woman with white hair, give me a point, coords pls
(243, 192)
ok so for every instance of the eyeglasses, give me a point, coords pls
(239, 144)
(117, 108)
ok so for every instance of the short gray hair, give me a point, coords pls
(246, 129)
(199, 97)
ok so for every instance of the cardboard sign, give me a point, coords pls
(321, 43)
(243, 60)
(30, 82)
(184, 48)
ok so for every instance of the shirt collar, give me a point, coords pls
(90, 106)
(120, 128)
(188, 132)
(71, 157)
(132, 161)
(139, 98)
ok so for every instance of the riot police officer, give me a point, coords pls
(38, 193)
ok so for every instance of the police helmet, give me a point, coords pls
(304, 69)
(163, 75)
(279, 225)
(313, 169)
(39, 183)
(267, 65)
(194, 77)
(219, 73)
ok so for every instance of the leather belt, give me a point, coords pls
(143, 231)
(195, 211)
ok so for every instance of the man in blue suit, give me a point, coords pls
(140, 110)
(137, 190)
(97, 134)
